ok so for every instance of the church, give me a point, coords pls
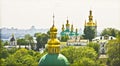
(69, 31)
(53, 57)
(90, 27)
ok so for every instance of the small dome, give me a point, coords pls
(72, 33)
(53, 60)
(12, 39)
(53, 29)
(62, 33)
(54, 41)
(91, 24)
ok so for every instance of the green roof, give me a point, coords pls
(63, 33)
(72, 34)
(54, 60)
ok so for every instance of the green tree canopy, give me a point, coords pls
(29, 40)
(95, 46)
(113, 51)
(22, 41)
(89, 33)
(41, 40)
(74, 54)
(22, 57)
(110, 32)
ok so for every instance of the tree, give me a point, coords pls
(21, 42)
(48, 33)
(4, 53)
(64, 38)
(41, 40)
(1, 44)
(95, 46)
(74, 54)
(89, 33)
(29, 39)
(22, 58)
(110, 32)
(84, 62)
(113, 51)
(6, 43)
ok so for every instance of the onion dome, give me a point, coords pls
(54, 60)
(12, 38)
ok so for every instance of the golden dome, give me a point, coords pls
(53, 29)
(90, 24)
(53, 42)
(53, 45)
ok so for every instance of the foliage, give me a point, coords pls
(21, 41)
(6, 43)
(48, 32)
(64, 38)
(1, 44)
(12, 50)
(74, 54)
(41, 40)
(113, 51)
(95, 46)
(29, 40)
(4, 53)
(84, 62)
(89, 33)
(22, 57)
(110, 32)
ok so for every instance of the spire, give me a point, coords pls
(90, 12)
(85, 23)
(53, 19)
(67, 20)
(63, 27)
(76, 30)
(67, 25)
(90, 16)
(72, 28)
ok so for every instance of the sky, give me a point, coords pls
(23, 14)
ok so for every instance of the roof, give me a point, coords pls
(12, 39)
(53, 60)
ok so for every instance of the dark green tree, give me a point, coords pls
(95, 46)
(29, 40)
(22, 41)
(113, 51)
(64, 38)
(84, 62)
(110, 32)
(89, 33)
(41, 40)
(74, 54)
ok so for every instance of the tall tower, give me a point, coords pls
(90, 27)
(67, 25)
(53, 44)
(53, 58)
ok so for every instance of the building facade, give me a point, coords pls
(69, 31)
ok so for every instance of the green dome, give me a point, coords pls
(72, 34)
(53, 60)
(62, 33)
